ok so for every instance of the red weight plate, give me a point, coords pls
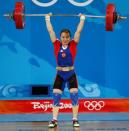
(19, 15)
(110, 17)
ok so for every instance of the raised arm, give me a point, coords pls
(79, 28)
(50, 28)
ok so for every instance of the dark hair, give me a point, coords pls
(66, 31)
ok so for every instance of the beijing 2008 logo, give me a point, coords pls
(94, 105)
(52, 2)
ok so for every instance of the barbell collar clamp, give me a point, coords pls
(121, 17)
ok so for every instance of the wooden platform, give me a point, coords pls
(66, 126)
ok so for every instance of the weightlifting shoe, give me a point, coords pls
(53, 124)
(76, 123)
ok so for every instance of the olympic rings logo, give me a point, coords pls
(73, 2)
(94, 105)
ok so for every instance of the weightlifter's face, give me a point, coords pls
(65, 38)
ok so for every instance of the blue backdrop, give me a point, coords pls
(27, 57)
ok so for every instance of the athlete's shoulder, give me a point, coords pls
(57, 44)
(57, 41)
(73, 42)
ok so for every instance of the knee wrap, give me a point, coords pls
(56, 98)
(74, 98)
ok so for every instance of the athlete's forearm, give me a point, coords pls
(50, 28)
(79, 28)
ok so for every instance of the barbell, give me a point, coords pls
(18, 15)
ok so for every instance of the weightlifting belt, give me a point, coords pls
(68, 68)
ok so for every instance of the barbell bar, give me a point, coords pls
(18, 16)
(69, 15)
